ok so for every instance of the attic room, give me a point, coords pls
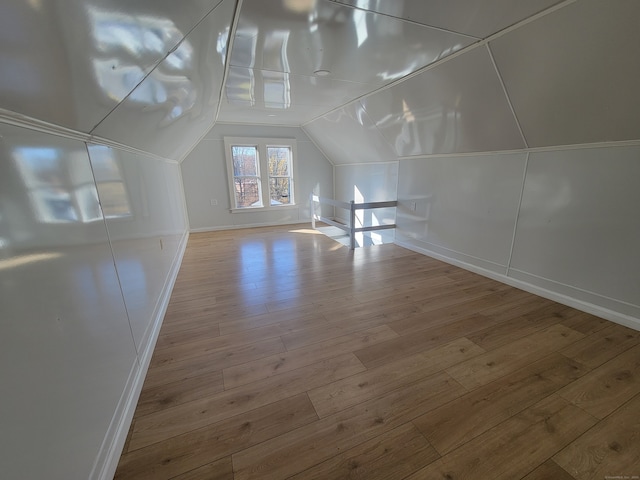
(169, 312)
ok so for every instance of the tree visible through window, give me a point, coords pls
(279, 175)
(246, 176)
(259, 167)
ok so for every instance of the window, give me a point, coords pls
(261, 172)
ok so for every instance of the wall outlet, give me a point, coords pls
(412, 206)
(214, 202)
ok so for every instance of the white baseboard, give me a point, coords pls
(588, 307)
(248, 225)
(109, 454)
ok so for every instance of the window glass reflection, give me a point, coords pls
(62, 189)
(45, 178)
(122, 43)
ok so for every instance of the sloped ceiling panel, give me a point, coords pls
(283, 98)
(280, 45)
(478, 19)
(573, 76)
(71, 62)
(349, 136)
(456, 107)
(176, 104)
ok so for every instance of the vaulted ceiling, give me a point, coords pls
(368, 80)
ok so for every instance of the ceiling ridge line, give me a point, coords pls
(413, 22)
(324, 154)
(460, 52)
(229, 50)
(225, 75)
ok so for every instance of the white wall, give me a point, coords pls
(367, 183)
(562, 224)
(204, 173)
(81, 297)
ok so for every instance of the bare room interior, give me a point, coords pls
(173, 307)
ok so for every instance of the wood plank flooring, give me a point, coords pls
(285, 355)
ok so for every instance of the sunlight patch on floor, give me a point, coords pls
(363, 239)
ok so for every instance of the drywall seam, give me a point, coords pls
(324, 154)
(185, 208)
(227, 63)
(388, 162)
(551, 148)
(121, 421)
(375, 125)
(462, 51)
(407, 20)
(506, 94)
(582, 305)
(515, 225)
(232, 31)
(151, 70)
(18, 120)
(113, 255)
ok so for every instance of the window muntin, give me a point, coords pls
(246, 176)
(280, 175)
(261, 172)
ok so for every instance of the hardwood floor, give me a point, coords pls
(285, 355)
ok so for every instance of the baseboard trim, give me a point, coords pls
(249, 225)
(109, 455)
(608, 314)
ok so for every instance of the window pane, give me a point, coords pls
(279, 161)
(279, 191)
(247, 192)
(245, 161)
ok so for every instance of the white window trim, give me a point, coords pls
(261, 143)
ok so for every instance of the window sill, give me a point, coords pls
(263, 209)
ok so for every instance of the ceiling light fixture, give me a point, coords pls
(322, 73)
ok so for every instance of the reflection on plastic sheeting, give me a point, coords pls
(128, 39)
(277, 90)
(60, 193)
(134, 34)
(42, 174)
(134, 278)
(111, 186)
(273, 86)
(14, 262)
(360, 23)
(299, 6)
(131, 38)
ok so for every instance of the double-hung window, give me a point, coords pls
(261, 172)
